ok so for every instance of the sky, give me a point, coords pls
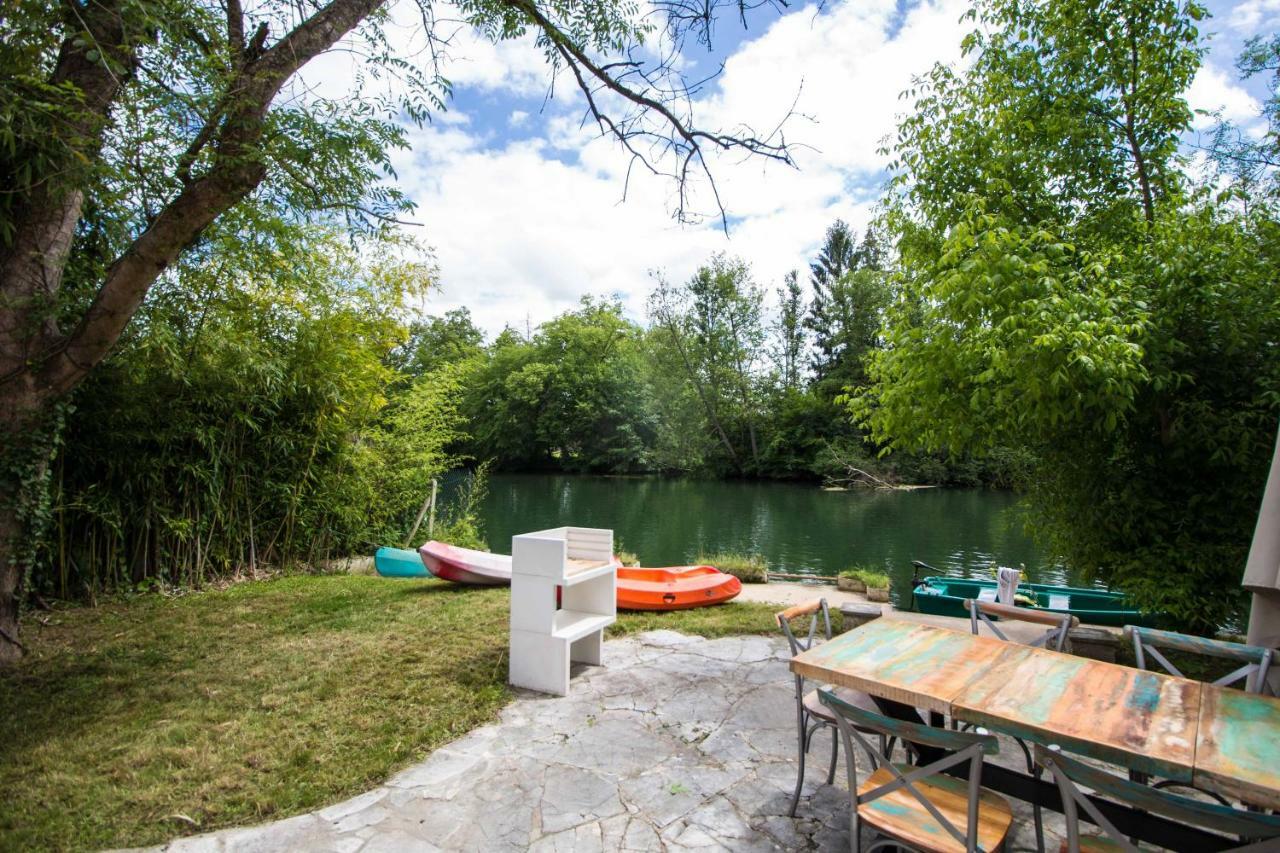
(523, 204)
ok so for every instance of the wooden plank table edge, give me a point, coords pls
(822, 675)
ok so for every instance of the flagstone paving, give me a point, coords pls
(676, 743)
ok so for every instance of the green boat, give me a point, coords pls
(943, 596)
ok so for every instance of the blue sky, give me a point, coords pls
(523, 206)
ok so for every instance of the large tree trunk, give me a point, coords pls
(28, 434)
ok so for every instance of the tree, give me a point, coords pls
(572, 398)
(133, 125)
(438, 341)
(1068, 292)
(713, 322)
(790, 331)
(248, 419)
(835, 258)
(1252, 162)
(850, 292)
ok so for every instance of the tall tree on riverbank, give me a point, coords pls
(714, 324)
(133, 125)
(850, 291)
(790, 344)
(1069, 291)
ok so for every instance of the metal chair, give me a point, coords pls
(980, 613)
(811, 715)
(1255, 660)
(921, 806)
(1258, 830)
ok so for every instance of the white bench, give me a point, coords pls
(546, 636)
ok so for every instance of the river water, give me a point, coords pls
(797, 527)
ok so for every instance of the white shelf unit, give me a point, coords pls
(563, 596)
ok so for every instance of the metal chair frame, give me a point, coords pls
(807, 724)
(962, 747)
(1257, 830)
(980, 612)
(1253, 671)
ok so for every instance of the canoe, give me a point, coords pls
(463, 565)
(399, 563)
(671, 588)
(944, 596)
(674, 588)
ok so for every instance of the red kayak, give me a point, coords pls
(674, 588)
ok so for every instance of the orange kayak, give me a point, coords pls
(674, 588)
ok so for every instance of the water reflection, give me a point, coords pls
(799, 528)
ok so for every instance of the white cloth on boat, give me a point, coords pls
(1007, 584)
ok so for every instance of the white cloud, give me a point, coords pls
(522, 231)
(1253, 15)
(1214, 91)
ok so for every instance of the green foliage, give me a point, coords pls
(438, 341)
(246, 419)
(714, 326)
(460, 522)
(748, 568)
(870, 578)
(572, 397)
(1068, 297)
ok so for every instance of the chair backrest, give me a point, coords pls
(980, 612)
(813, 609)
(1068, 773)
(960, 746)
(1255, 660)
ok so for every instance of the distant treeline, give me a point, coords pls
(724, 379)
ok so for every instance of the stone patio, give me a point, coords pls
(676, 743)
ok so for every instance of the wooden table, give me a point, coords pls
(908, 662)
(1145, 721)
(1220, 739)
(1238, 745)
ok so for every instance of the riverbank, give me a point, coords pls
(139, 720)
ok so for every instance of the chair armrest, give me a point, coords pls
(1024, 614)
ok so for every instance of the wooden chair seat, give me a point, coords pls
(857, 698)
(900, 815)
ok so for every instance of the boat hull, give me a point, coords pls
(946, 596)
(463, 565)
(674, 588)
(399, 563)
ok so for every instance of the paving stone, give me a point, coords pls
(351, 806)
(586, 838)
(629, 832)
(440, 773)
(678, 743)
(572, 796)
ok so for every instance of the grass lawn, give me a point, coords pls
(137, 721)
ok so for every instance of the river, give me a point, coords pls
(797, 527)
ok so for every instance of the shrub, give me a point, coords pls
(748, 568)
(872, 578)
(628, 558)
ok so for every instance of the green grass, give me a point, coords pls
(748, 568)
(871, 578)
(256, 702)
